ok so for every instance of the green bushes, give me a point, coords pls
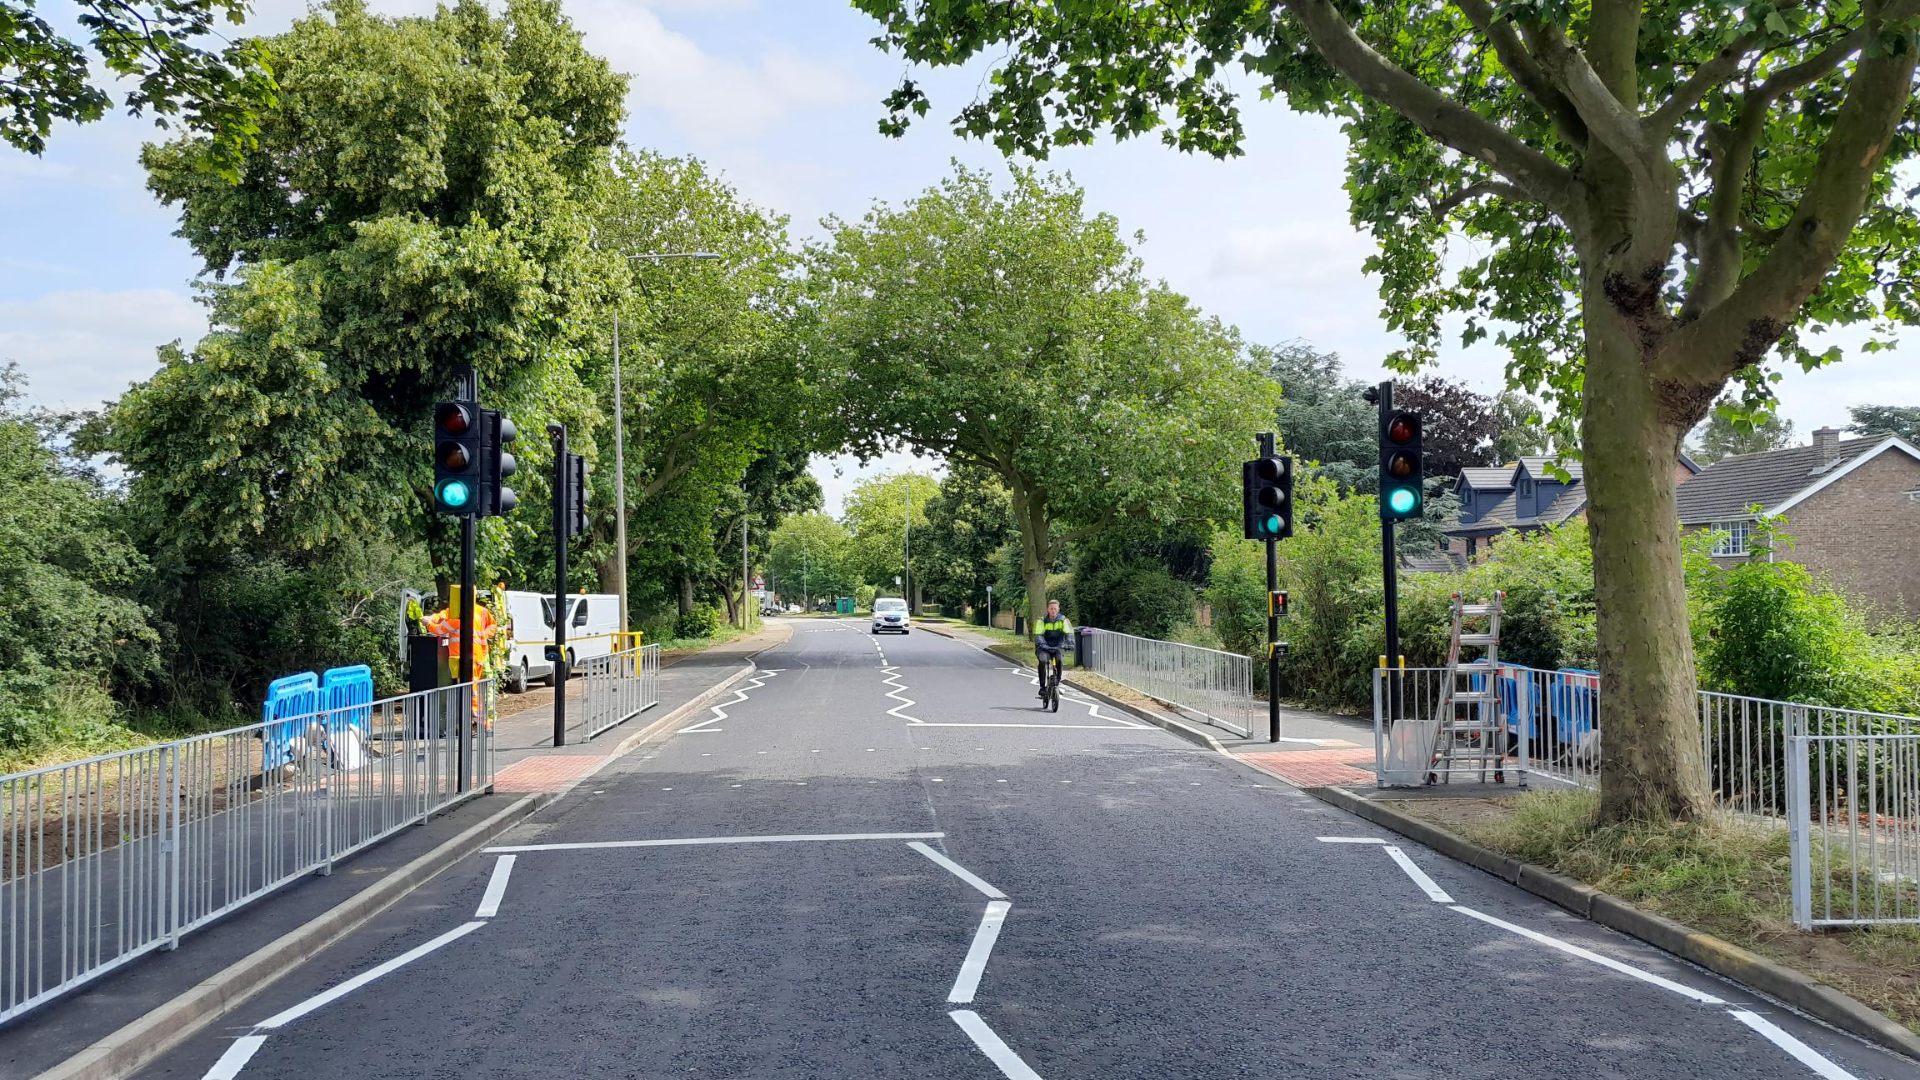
(702, 621)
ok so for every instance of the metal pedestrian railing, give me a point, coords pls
(107, 859)
(1853, 823)
(1845, 782)
(618, 687)
(1214, 686)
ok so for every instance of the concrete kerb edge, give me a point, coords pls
(1721, 957)
(138, 1043)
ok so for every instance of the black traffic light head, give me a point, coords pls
(500, 464)
(1266, 498)
(458, 457)
(1401, 470)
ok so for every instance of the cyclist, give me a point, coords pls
(1050, 637)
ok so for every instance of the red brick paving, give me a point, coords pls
(1317, 768)
(549, 772)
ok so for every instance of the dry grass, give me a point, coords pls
(1729, 878)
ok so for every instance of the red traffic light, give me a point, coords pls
(453, 418)
(1267, 469)
(1401, 428)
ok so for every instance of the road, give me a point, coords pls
(963, 887)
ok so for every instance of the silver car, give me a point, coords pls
(890, 613)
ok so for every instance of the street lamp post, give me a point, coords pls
(906, 559)
(620, 445)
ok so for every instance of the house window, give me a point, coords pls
(1735, 540)
(1526, 487)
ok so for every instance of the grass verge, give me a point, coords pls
(1727, 877)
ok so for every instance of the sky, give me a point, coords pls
(783, 98)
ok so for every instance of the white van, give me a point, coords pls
(593, 619)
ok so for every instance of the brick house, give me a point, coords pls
(1523, 497)
(1852, 507)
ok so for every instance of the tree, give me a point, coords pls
(876, 514)
(710, 375)
(1322, 416)
(68, 624)
(967, 522)
(1659, 196)
(1015, 333)
(1459, 428)
(1522, 432)
(1878, 420)
(811, 555)
(776, 486)
(48, 76)
(1731, 430)
(413, 206)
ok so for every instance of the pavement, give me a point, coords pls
(878, 858)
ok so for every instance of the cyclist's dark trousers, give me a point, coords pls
(1045, 655)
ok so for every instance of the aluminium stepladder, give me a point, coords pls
(1470, 735)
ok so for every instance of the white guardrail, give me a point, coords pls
(618, 687)
(1845, 782)
(1209, 684)
(110, 858)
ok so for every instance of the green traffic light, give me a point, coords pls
(1402, 500)
(1271, 523)
(454, 493)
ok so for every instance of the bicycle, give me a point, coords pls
(1050, 683)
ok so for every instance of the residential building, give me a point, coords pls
(1525, 496)
(1852, 507)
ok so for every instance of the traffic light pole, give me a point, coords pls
(1273, 618)
(561, 479)
(470, 391)
(1390, 582)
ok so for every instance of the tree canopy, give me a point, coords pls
(967, 523)
(1015, 332)
(1659, 196)
(876, 513)
(412, 206)
(220, 92)
(1901, 420)
(811, 555)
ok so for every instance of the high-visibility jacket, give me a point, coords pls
(1052, 633)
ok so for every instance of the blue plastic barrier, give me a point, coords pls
(347, 695)
(1513, 688)
(288, 700)
(1571, 694)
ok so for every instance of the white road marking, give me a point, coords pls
(236, 1057)
(1077, 697)
(1081, 727)
(321, 1000)
(892, 675)
(694, 841)
(1604, 961)
(975, 965)
(1347, 839)
(959, 871)
(496, 887)
(990, 1044)
(1801, 1052)
(1427, 885)
(759, 679)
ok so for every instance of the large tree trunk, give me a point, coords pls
(1030, 514)
(1651, 760)
(686, 592)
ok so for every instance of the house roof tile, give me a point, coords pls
(1726, 488)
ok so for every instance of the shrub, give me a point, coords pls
(700, 622)
(1132, 597)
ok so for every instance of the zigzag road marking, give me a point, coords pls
(892, 675)
(739, 695)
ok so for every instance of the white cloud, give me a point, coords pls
(707, 97)
(1309, 254)
(83, 347)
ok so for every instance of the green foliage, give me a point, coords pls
(1139, 579)
(1901, 420)
(876, 513)
(967, 522)
(1014, 331)
(703, 621)
(863, 597)
(1731, 429)
(411, 206)
(220, 93)
(1778, 634)
(69, 624)
(810, 556)
(1321, 414)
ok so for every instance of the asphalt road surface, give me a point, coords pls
(928, 877)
